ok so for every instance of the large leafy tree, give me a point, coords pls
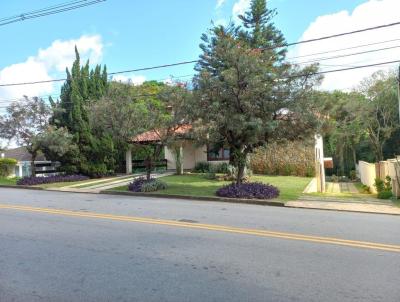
(245, 94)
(341, 125)
(26, 121)
(126, 111)
(380, 110)
(83, 86)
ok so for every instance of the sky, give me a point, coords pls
(130, 34)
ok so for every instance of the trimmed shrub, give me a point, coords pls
(251, 190)
(222, 168)
(385, 195)
(384, 187)
(202, 167)
(154, 185)
(6, 166)
(32, 181)
(284, 158)
(141, 184)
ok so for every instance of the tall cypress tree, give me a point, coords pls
(84, 85)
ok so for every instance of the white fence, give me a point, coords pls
(369, 172)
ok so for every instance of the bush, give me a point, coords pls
(384, 187)
(334, 178)
(210, 175)
(285, 158)
(365, 189)
(385, 195)
(95, 170)
(154, 185)
(353, 175)
(141, 184)
(379, 185)
(6, 166)
(202, 167)
(251, 190)
(32, 181)
(222, 168)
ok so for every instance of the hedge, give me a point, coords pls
(6, 166)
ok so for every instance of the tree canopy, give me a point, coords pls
(245, 93)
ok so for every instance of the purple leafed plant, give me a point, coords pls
(250, 190)
(31, 181)
(136, 185)
(143, 185)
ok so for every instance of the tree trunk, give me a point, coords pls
(149, 165)
(341, 158)
(178, 159)
(354, 157)
(240, 172)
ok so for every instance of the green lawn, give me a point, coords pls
(197, 185)
(8, 181)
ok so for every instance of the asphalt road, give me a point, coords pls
(177, 250)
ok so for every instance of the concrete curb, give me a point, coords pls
(341, 210)
(199, 198)
(21, 187)
(215, 199)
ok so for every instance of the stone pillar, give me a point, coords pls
(128, 159)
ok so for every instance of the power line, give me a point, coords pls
(49, 11)
(346, 55)
(172, 77)
(111, 73)
(195, 61)
(343, 69)
(341, 49)
(43, 9)
(333, 36)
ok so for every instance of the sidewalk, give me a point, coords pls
(346, 206)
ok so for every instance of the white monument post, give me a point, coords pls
(319, 163)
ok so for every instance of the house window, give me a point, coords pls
(217, 154)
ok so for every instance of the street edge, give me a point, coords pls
(199, 198)
(21, 187)
(220, 199)
(339, 210)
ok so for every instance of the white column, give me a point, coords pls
(319, 163)
(20, 169)
(181, 157)
(128, 158)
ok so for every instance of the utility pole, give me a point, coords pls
(398, 88)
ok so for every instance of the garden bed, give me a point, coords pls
(196, 185)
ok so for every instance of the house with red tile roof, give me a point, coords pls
(191, 152)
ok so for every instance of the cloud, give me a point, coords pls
(220, 21)
(239, 8)
(47, 63)
(61, 53)
(369, 14)
(133, 79)
(220, 3)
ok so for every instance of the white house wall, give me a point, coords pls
(191, 155)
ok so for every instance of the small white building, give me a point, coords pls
(43, 167)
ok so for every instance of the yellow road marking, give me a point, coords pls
(211, 227)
